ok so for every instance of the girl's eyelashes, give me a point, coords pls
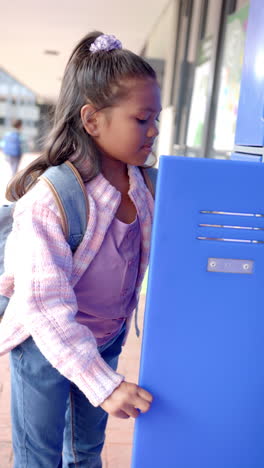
(142, 121)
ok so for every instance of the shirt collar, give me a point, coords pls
(103, 191)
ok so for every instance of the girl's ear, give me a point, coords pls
(89, 119)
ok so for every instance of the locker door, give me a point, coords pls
(250, 123)
(203, 344)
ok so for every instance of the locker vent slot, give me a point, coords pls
(230, 213)
(247, 241)
(213, 226)
(232, 227)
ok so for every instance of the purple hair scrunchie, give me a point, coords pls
(105, 42)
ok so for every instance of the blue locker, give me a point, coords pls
(203, 343)
(250, 120)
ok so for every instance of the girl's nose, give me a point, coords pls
(153, 131)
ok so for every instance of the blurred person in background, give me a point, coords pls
(12, 146)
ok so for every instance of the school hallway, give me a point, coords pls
(118, 446)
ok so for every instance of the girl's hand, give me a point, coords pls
(127, 400)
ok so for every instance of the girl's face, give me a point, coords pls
(126, 132)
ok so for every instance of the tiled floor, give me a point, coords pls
(118, 446)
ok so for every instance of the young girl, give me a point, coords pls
(67, 317)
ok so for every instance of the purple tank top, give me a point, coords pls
(106, 291)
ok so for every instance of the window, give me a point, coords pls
(202, 78)
(223, 133)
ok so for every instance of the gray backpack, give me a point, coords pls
(72, 204)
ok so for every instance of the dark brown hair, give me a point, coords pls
(17, 124)
(98, 78)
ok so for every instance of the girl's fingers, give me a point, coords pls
(144, 394)
(138, 406)
(128, 400)
(142, 405)
(133, 412)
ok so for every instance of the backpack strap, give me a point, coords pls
(150, 177)
(70, 195)
(73, 203)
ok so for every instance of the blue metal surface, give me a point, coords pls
(250, 123)
(246, 157)
(203, 343)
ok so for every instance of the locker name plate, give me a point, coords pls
(230, 265)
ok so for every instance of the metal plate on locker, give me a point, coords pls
(230, 265)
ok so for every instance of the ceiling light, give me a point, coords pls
(51, 52)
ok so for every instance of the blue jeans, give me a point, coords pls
(13, 162)
(53, 423)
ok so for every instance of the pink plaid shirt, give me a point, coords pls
(40, 274)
